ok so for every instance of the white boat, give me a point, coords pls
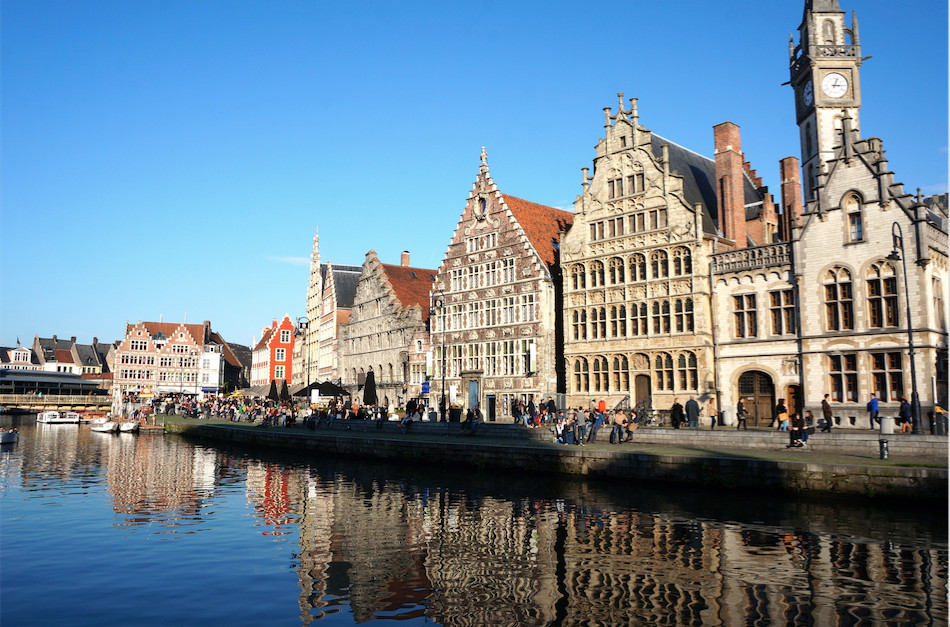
(8, 437)
(103, 425)
(54, 417)
(129, 426)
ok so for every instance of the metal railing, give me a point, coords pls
(50, 401)
(766, 256)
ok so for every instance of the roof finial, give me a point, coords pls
(620, 110)
(484, 156)
(606, 117)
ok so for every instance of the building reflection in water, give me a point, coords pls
(451, 548)
(401, 549)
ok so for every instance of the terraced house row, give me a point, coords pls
(677, 274)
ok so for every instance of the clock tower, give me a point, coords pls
(824, 74)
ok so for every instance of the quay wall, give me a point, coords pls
(893, 482)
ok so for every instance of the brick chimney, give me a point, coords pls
(791, 196)
(273, 324)
(54, 337)
(729, 182)
(73, 339)
(404, 259)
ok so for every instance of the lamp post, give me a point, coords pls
(898, 254)
(438, 304)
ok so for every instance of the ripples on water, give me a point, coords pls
(125, 529)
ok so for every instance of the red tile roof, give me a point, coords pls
(63, 357)
(265, 338)
(542, 224)
(412, 285)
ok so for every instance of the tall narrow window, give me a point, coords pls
(601, 384)
(663, 369)
(638, 268)
(887, 375)
(745, 315)
(782, 311)
(638, 319)
(621, 374)
(683, 315)
(581, 375)
(839, 304)
(842, 371)
(882, 296)
(597, 274)
(616, 270)
(660, 266)
(682, 262)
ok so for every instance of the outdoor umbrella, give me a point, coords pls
(328, 388)
(284, 391)
(272, 394)
(369, 389)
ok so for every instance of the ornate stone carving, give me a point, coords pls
(681, 287)
(659, 289)
(639, 292)
(640, 362)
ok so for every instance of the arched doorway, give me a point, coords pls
(642, 388)
(758, 395)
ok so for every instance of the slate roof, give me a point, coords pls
(87, 355)
(699, 181)
(412, 285)
(542, 224)
(345, 280)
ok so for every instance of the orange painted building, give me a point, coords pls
(272, 358)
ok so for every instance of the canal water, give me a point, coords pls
(103, 529)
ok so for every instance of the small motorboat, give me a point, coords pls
(55, 417)
(104, 425)
(9, 437)
(128, 426)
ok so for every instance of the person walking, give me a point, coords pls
(904, 416)
(741, 416)
(873, 410)
(711, 412)
(692, 412)
(826, 414)
(781, 415)
(676, 413)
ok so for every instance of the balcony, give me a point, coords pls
(768, 256)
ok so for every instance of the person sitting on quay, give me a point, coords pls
(619, 422)
(795, 431)
(632, 425)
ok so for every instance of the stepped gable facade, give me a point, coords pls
(390, 305)
(826, 312)
(497, 303)
(638, 327)
(272, 358)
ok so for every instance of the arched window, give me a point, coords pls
(851, 204)
(659, 264)
(581, 375)
(839, 303)
(622, 321)
(601, 384)
(828, 33)
(621, 374)
(597, 274)
(663, 371)
(882, 296)
(578, 277)
(682, 261)
(598, 323)
(687, 371)
(616, 270)
(638, 268)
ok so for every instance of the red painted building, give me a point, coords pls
(273, 355)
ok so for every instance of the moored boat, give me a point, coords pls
(55, 417)
(8, 437)
(128, 426)
(104, 425)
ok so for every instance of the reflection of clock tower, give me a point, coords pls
(824, 71)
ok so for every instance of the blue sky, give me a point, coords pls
(164, 159)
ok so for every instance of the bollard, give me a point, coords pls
(883, 444)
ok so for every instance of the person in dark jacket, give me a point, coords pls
(904, 416)
(676, 413)
(741, 416)
(692, 412)
(826, 414)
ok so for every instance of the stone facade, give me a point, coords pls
(498, 303)
(390, 306)
(635, 266)
(828, 308)
(339, 289)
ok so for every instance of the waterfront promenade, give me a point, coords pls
(842, 463)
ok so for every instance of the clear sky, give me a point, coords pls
(172, 158)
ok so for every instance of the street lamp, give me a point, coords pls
(438, 304)
(898, 255)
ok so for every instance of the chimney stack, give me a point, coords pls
(54, 337)
(73, 339)
(791, 196)
(404, 259)
(729, 182)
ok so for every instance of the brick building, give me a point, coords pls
(500, 315)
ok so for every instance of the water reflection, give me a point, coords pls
(384, 541)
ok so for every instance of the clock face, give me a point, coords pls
(834, 85)
(808, 94)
